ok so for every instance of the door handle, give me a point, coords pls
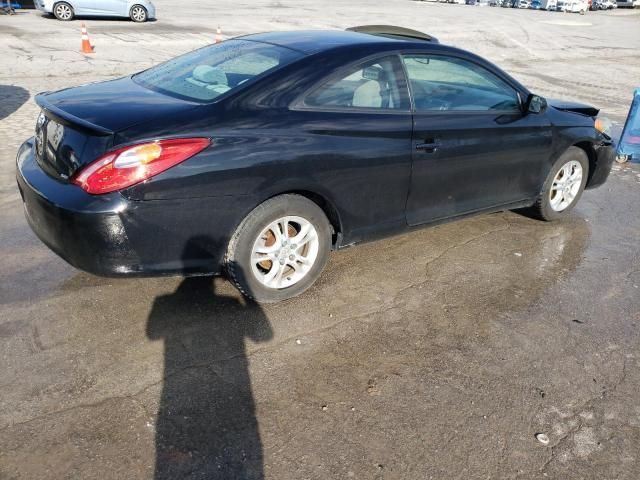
(428, 146)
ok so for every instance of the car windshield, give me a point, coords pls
(209, 72)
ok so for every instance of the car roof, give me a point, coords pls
(314, 41)
(383, 37)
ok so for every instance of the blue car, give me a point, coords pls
(136, 10)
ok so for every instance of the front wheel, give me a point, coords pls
(63, 11)
(564, 185)
(138, 14)
(279, 249)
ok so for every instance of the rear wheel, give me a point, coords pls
(564, 185)
(279, 249)
(138, 14)
(63, 11)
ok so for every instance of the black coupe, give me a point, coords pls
(262, 153)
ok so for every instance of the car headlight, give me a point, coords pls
(603, 125)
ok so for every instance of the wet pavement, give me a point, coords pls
(437, 354)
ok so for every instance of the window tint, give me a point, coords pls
(207, 73)
(445, 83)
(370, 85)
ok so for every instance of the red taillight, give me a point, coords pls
(127, 166)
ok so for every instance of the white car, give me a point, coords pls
(136, 10)
(573, 6)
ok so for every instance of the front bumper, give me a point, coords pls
(605, 155)
(109, 235)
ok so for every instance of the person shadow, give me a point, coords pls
(12, 98)
(206, 424)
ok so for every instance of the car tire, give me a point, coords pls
(268, 234)
(561, 191)
(63, 11)
(138, 14)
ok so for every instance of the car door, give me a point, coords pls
(111, 7)
(84, 7)
(473, 147)
(353, 139)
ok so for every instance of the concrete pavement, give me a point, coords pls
(438, 354)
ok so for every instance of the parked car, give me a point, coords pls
(573, 6)
(544, 4)
(628, 3)
(260, 154)
(136, 10)
(604, 5)
(17, 5)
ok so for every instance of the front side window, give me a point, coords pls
(372, 85)
(440, 83)
(209, 72)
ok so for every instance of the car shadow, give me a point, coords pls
(106, 18)
(11, 99)
(206, 424)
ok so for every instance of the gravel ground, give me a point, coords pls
(438, 354)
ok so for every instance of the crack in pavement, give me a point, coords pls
(591, 404)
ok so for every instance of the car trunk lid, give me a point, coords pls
(79, 124)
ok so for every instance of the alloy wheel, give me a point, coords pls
(138, 14)
(284, 252)
(565, 186)
(63, 11)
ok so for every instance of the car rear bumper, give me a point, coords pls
(605, 155)
(109, 235)
(151, 11)
(42, 6)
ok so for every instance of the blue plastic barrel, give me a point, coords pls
(630, 139)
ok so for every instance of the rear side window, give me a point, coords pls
(376, 84)
(441, 83)
(209, 72)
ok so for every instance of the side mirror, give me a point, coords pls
(535, 104)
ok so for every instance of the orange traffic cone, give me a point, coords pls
(218, 35)
(86, 45)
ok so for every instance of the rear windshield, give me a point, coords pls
(209, 72)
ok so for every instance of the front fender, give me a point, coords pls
(599, 148)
